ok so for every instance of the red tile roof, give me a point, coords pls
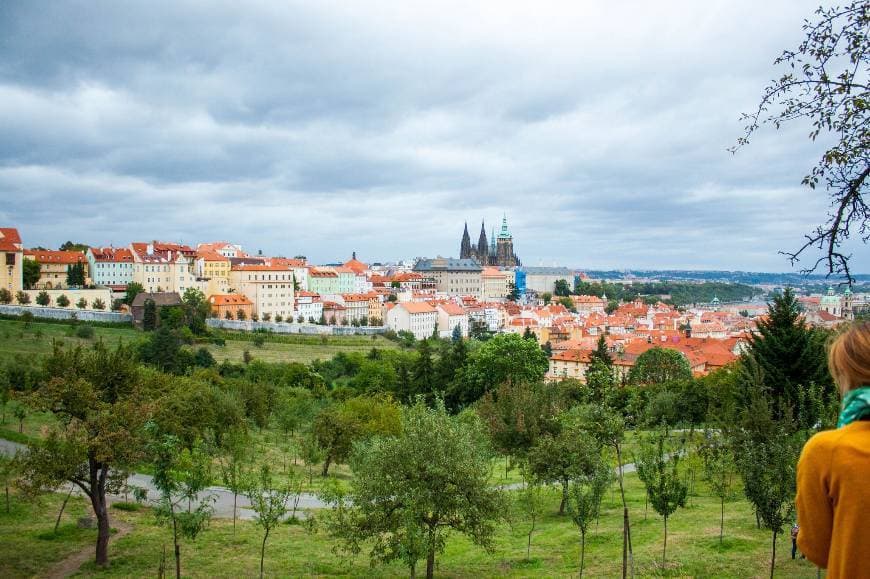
(49, 256)
(9, 239)
(230, 300)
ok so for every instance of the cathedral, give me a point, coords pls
(498, 252)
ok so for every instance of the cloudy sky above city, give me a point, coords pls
(599, 128)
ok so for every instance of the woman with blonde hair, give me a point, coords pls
(833, 474)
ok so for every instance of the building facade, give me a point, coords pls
(269, 287)
(455, 277)
(419, 318)
(110, 266)
(54, 266)
(11, 260)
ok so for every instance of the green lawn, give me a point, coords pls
(693, 546)
(16, 339)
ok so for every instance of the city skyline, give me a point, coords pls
(324, 129)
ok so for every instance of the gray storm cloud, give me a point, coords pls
(321, 128)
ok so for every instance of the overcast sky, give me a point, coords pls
(599, 128)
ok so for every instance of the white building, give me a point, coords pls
(451, 315)
(269, 286)
(110, 266)
(419, 318)
(307, 305)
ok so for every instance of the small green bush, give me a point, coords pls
(85, 331)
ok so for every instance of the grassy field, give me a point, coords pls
(16, 339)
(293, 551)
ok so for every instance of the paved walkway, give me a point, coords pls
(222, 497)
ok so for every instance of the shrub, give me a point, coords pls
(82, 303)
(43, 299)
(85, 331)
(99, 304)
(62, 301)
(259, 340)
(5, 296)
(22, 298)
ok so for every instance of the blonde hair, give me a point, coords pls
(849, 357)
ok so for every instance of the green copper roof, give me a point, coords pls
(504, 233)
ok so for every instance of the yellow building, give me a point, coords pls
(211, 264)
(11, 260)
(54, 265)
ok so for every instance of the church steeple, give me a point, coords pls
(482, 246)
(465, 246)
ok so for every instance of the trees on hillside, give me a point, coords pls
(825, 85)
(657, 468)
(409, 491)
(503, 358)
(101, 404)
(791, 355)
(660, 365)
(337, 427)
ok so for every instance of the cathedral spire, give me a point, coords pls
(465, 246)
(482, 246)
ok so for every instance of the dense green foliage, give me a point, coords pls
(680, 293)
(411, 490)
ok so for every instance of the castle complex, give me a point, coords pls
(499, 251)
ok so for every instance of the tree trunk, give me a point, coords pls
(773, 556)
(413, 567)
(665, 545)
(235, 499)
(582, 552)
(625, 508)
(97, 480)
(645, 505)
(263, 552)
(177, 547)
(326, 462)
(722, 521)
(21, 426)
(430, 563)
(564, 498)
(62, 507)
(7, 496)
(529, 545)
(624, 543)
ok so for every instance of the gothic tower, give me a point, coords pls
(482, 247)
(465, 246)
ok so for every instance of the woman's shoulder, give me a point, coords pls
(821, 443)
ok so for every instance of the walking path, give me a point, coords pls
(223, 497)
(70, 565)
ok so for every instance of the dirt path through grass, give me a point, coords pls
(71, 564)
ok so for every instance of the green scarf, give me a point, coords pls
(856, 405)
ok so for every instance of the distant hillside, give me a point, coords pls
(743, 277)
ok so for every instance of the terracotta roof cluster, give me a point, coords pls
(112, 254)
(49, 256)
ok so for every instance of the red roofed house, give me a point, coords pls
(53, 266)
(419, 318)
(227, 306)
(569, 364)
(110, 267)
(451, 315)
(11, 260)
